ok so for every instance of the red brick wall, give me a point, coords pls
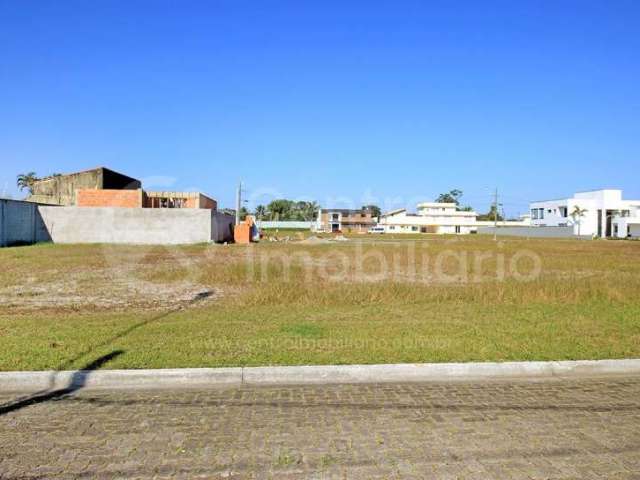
(206, 202)
(109, 198)
(201, 201)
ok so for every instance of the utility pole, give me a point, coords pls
(495, 215)
(238, 202)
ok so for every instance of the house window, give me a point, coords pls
(414, 229)
(537, 213)
(392, 227)
(563, 212)
(335, 216)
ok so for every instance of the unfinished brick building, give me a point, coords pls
(102, 187)
(61, 189)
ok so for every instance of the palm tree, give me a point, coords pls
(309, 211)
(260, 212)
(314, 208)
(280, 209)
(577, 214)
(26, 180)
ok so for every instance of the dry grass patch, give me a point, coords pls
(292, 303)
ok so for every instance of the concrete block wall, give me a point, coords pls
(25, 222)
(222, 226)
(531, 232)
(128, 225)
(109, 198)
(21, 223)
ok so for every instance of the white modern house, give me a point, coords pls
(601, 213)
(431, 217)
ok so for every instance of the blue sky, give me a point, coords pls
(341, 102)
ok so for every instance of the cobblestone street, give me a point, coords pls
(548, 429)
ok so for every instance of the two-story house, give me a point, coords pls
(601, 213)
(431, 217)
(344, 220)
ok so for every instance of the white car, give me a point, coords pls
(376, 230)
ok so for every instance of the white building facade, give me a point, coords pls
(601, 213)
(431, 217)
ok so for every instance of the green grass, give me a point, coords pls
(584, 305)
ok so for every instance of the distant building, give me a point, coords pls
(525, 218)
(102, 187)
(431, 217)
(603, 213)
(178, 200)
(344, 220)
(61, 189)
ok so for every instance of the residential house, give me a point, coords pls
(431, 217)
(344, 220)
(601, 213)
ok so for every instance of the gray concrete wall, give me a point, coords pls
(21, 223)
(222, 227)
(532, 232)
(127, 225)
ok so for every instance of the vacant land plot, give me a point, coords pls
(314, 301)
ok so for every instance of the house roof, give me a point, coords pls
(394, 212)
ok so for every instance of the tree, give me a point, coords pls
(451, 197)
(26, 180)
(491, 216)
(283, 209)
(577, 214)
(260, 212)
(280, 209)
(307, 210)
(374, 209)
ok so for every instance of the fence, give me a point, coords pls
(21, 223)
(26, 222)
(285, 224)
(530, 232)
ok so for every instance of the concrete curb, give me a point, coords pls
(320, 374)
